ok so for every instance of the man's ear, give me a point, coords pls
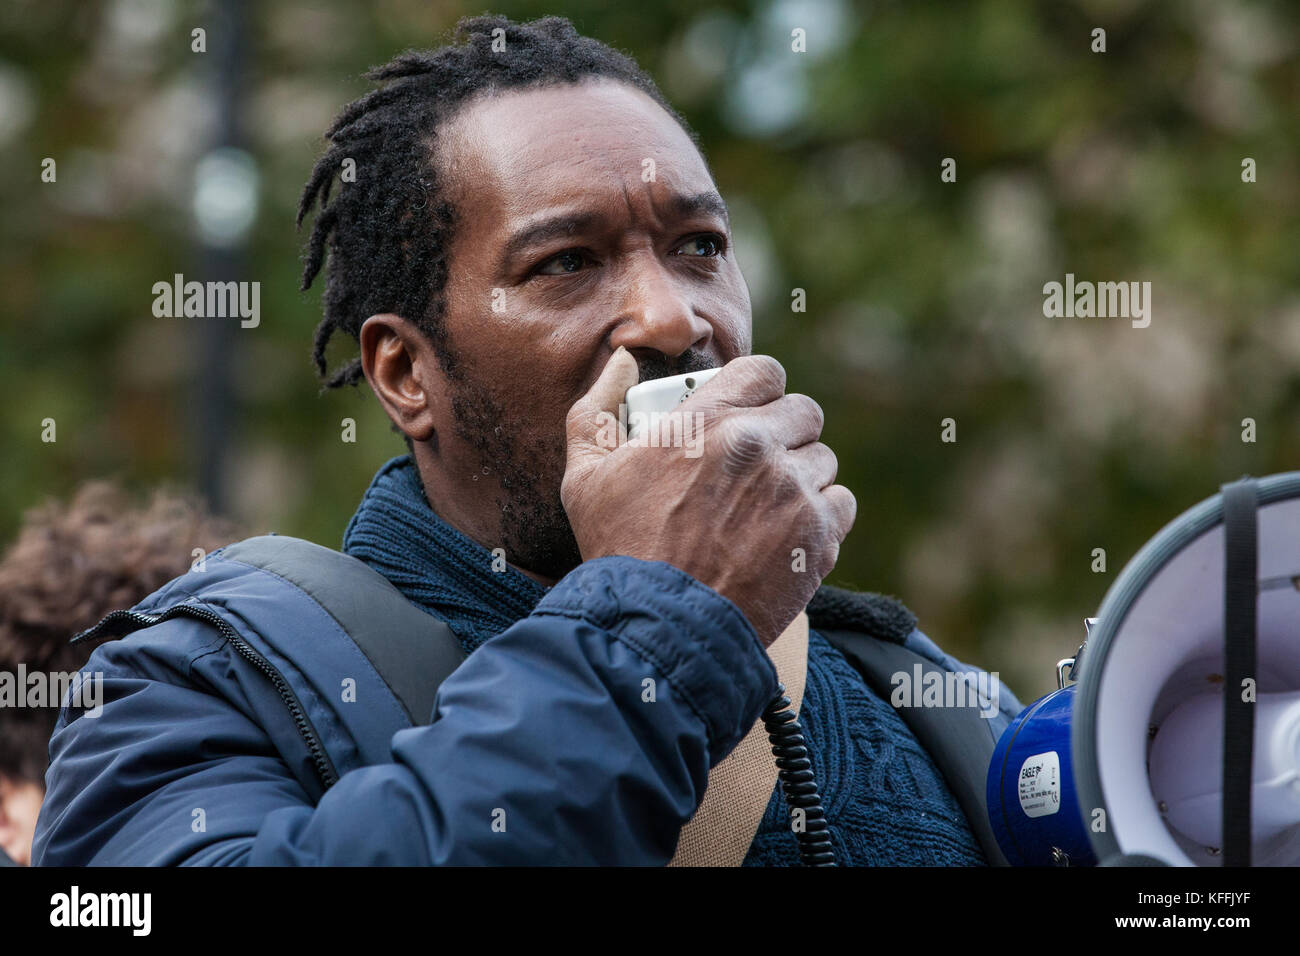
(404, 373)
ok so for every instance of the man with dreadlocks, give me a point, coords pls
(531, 229)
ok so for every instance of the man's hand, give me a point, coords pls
(732, 517)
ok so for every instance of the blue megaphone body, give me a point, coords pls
(1031, 794)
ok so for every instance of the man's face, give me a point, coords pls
(587, 220)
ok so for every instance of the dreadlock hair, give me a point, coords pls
(388, 231)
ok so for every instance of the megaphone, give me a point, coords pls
(1178, 742)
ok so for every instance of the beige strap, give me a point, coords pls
(740, 787)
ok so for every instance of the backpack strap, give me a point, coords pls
(740, 786)
(958, 739)
(412, 650)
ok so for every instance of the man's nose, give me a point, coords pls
(658, 316)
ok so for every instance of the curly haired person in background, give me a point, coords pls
(70, 565)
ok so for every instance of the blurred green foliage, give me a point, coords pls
(924, 298)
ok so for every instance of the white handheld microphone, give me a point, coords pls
(660, 396)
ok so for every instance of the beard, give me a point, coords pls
(528, 457)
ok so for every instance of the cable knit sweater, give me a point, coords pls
(885, 800)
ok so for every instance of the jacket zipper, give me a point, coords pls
(320, 759)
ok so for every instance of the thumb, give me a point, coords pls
(592, 426)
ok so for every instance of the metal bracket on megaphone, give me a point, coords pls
(1072, 664)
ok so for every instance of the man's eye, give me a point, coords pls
(562, 264)
(710, 246)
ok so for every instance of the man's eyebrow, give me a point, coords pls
(553, 228)
(708, 201)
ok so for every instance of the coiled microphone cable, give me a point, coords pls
(798, 780)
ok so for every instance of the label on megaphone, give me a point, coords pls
(1040, 784)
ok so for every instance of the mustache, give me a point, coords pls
(658, 365)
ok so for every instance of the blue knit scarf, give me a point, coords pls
(431, 563)
(886, 799)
